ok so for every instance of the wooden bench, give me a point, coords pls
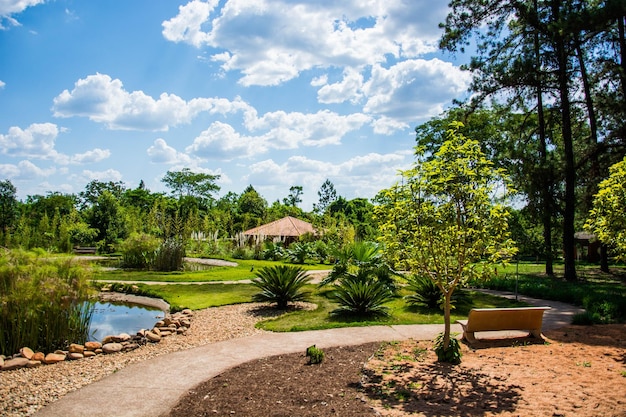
(499, 319)
(85, 250)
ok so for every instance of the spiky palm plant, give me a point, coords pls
(362, 296)
(427, 294)
(281, 284)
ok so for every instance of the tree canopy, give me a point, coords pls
(441, 222)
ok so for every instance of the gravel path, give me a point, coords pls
(24, 391)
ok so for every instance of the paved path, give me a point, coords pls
(153, 387)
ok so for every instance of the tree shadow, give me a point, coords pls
(486, 343)
(441, 389)
(610, 335)
(271, 311)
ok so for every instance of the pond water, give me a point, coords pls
(113, 318)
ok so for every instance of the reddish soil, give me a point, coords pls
(578, 371)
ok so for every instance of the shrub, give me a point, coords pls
(315, 355)
(452, 354)
(139, 251)
(299, 252)
(281, 284)
(170, 255)
(43, 302)
(361, 296)
(428, 294)
(273, 251)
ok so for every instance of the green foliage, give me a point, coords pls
(43, 302)
(440, 221)
(170, 255)
(139, 251)
(194, 184)
(607, 219)
(450, 354)
(603, 298)
(8, 209)
(361, 258)
(273, 251)
(281, 284)
(361, 296)
(315, 355)
(299, 252)
(427, 294)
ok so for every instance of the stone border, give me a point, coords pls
(171, 324)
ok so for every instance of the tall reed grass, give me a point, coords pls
(44, 302)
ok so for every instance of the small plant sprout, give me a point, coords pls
(315, 355)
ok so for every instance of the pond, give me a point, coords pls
(113, 318)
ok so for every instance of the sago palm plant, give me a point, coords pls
(361, 296)
(281, 284)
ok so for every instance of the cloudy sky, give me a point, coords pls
(272, 93)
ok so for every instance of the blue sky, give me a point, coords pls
(272, 93)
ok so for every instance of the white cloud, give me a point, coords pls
(37, 140)
(187, 25)
(270, 42)
(95, 155)
(361, 176)
(222, 141)
(161, 153)
(104, 176)
(12, 7)
(24, 170)
(2, 84)
(9, 7)
(413, 89)
(348, 89)
(104, 100)
(289, 130)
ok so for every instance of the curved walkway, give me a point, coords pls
(153, 387)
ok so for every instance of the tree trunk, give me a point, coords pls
(546, 178)
(594, 170)
(569, 249)
(604, 258)
(446, 320)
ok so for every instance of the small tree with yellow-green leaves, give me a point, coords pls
(441, 220)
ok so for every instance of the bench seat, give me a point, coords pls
(85, 250)
(499, 319)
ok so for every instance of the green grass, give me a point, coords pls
(603, 295)
(243, 271)
(400, 314)
(200, 296)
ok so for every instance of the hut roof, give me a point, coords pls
(287, 226)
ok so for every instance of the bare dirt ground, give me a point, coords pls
(578, 371)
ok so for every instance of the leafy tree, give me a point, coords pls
(327, 195)
(294, 197)
(95, 188)
(440, 221)
(607, 219)
(193, 184)
(106, 216)
(358, 212)
(281, 284)
(251, 209)
(8, 208)
(569, 52)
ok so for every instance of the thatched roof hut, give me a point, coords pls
(287, 229)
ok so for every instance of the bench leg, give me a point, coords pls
(469, 336)
(536, 333)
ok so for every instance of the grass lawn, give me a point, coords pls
(197, 297)
(400, 313)
(198, 273)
